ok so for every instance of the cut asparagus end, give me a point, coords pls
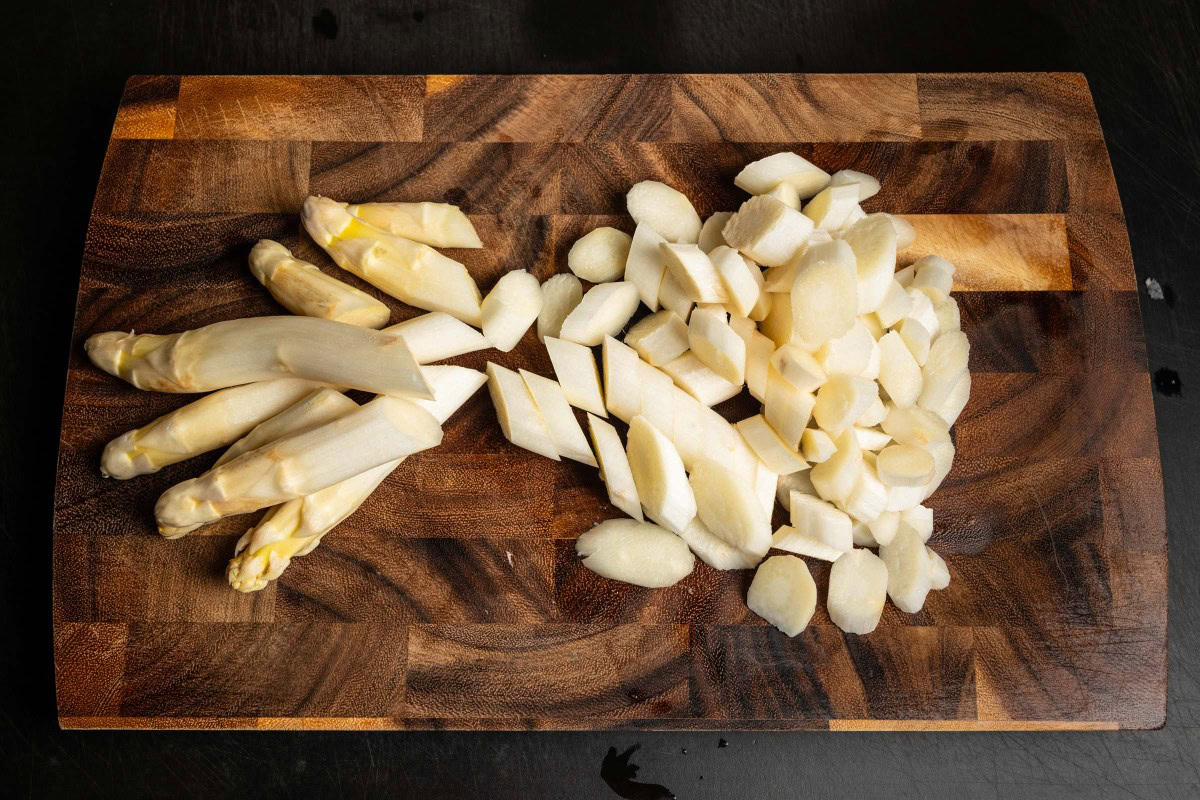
(604, 310)
(857, 591)
(317, 408)
(437, 336)
(767, 231)
(644, 267)
(729, 508)
(520, 420)
(760, 177)
(658, 473)
(565, 432)
(717, 346)
(664, 209)
(575, 367)
(614, 467)
(713, 550)
(710, 231)
(659, 338)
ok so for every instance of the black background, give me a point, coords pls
(64, 67)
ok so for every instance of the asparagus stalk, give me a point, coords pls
(297, 526)
(212, 421)
(316, 408)
(241, 351)
(303, 289)
(436, 224)
(408, 271)
(384, 429)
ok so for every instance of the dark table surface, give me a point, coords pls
(64, 66)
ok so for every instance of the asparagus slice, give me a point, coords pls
(303, 289)
(296, 527)
(408, 271)
(212, 421)
(384, 429)
(241, 351)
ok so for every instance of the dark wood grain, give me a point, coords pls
(453, 597)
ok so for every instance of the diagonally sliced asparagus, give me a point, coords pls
(212, 421)
(408, 271)
(241, 351)
(384, 429)
(303, 289)
(297, 526)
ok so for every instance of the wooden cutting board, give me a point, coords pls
(453, 598)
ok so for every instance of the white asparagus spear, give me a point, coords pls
(437, 335)
(408, 271)
(435, 224)
(316, 408)
(384, 429)
(213, 421)
(303, 289)
(297, 526)
(239, 351)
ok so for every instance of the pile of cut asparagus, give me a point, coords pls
(860, 369)
(296, 444)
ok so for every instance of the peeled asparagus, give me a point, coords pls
(818, 529)
(384, 429)
(916, 337)
(575, 367)
(560, 294)
(297, 526)
(635, 552)
(873, 240)
(303, 289)
(868, 186)
(212, 421)
(729, 508)
(717, 346)
(824, 298)
(710, 231)
(316, 408)
(837, 476)
(869, 497)
(644, 266)
(693, 271)
(658, 473)
(944, 366)
(435, 224)
(895, 306)
(759, 349)
(907, 561)
(841, 400)
(760, 177)
(899, 372)
(241, 351)
(672, 296)
(920, 519)
(787, 409)
(767, 231)
(715, 551)
(906, 234)
(783, 593)
(848, 354)
(412, 272)
(520, 420)
(699, 380)
(659, 338)
(614, 467)
(767, 445)
(741, 278)
(884, 528)
(817, 445)
(604, 310)
(798, 367)
(600, 255)
(786, 194)
(437, 336)
(904, 465)
(939, 573)
(934, 276)
(829, 209)
(664, 209)
(510, 308)
(564, 429)
(857, 590)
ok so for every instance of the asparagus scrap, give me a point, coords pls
(241, 351)
(212, 421)
(435, 224)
